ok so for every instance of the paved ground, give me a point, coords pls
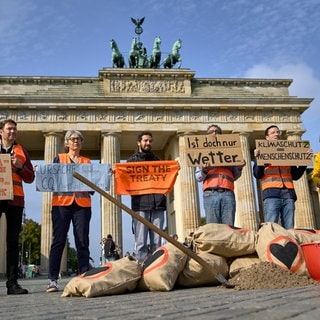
(200, 303)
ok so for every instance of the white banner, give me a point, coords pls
(57, 177)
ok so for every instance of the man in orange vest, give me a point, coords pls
(22, 171)
(70, 207)
(278, 192)
(218, 188)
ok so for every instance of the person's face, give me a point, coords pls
(74, 142)
(9, 132)
(273, 134)
(213, 130)
(145, 144)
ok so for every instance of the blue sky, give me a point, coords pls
(220, 39)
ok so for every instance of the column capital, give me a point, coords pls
(110, 133)
(52, 133)
(297, 132)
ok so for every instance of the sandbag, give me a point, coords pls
(241, 263)
(277, 245)
(194, 274)
(305, 235)
(224, 240)
(161, 269)
(115, 277)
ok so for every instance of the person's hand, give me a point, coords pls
(256, 152)
(206, 168)
(16, 162)
(243, 163)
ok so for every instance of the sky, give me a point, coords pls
(220, 39)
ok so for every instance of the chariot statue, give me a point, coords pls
(138, 56)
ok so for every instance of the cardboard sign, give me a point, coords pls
(57, 177)
(6, 183)
(145, 177)
(284, 152)
(217, 150)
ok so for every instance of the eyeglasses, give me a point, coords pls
(275, 132)
(74, 139)
(214, 131)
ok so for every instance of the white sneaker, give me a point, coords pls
(53, 286)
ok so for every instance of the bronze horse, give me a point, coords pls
(117, 57)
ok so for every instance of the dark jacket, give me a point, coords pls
(109, 248)
(146, 202)
(296, 174)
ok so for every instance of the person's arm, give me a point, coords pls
(297, 172)
(27, 172)
(315, 174)
(200, 174)
(258, 171)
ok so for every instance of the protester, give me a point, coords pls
(110, 253)
(149, 206)
(315, 174)
(70, 207)
(22, 171)
(278, 192)
(218, 188)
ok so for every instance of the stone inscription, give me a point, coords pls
(148, 86)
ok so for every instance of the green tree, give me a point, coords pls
(29, 242)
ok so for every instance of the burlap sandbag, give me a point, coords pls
(194, 275)
(114, 277)
(241, 263)
(224, 240)
(277, 245)
(305, 235)
(161, 269)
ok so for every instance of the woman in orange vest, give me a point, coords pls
(70, 207)
(278, 192)
(22, 171)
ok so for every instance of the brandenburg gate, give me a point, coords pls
(112, 108)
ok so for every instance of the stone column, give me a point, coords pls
(111, 218)
(53, 145)
(189, 198)
(246, 212)
(304, 217)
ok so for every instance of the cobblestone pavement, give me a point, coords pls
(197, 303)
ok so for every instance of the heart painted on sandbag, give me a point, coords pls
(286, 254)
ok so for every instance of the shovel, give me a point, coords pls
(160, 232)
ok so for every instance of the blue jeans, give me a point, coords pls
(141, 233)
(219, 207)
(275, 208)
(61, 219)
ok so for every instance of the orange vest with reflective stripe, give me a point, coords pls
(277, 177)
(82, 199)
(16, 179)
(219, 177)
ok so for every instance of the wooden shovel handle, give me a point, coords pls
(163, 234)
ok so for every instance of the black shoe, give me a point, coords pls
(15, 288)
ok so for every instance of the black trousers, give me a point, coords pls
(14, 222)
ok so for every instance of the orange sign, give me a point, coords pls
(145, 177)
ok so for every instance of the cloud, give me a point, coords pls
(305, 85)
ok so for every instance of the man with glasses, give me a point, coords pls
(218, 188)
(278, 192)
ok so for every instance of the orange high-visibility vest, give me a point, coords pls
(82, 199)
(277, 177)
(219, 177)
(16, 179)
